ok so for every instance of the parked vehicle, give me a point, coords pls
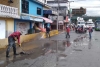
(81, 24)
(80, 29)
(90, 23)
(97, 25)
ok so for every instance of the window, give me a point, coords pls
(81, 22)
(25, 6)
(38, 11)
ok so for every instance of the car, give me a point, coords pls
(97, 25)
(90, 24)
(81, 23)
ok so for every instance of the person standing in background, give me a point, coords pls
(48, 31)
(90, 32)
(67, 32)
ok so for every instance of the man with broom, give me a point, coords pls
(15, 36)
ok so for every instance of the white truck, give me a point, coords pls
(90, 23)
(81, 22)
(81, 27)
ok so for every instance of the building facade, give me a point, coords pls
(63, 11)
(29, 10)
(20, 15)
(79, 11)
(8, 11)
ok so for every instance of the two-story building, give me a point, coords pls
(63, 11)
(20, 15)
(30, 13)
(8, 11)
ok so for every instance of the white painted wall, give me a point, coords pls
(2, 29)
(43, 1)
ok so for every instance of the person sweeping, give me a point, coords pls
(15, 36)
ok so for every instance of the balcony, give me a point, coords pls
(7, 11)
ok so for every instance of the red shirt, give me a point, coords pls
(90, 29)
(68, 30)
(16, 34)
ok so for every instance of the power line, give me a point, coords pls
(88, 7)
(83, 0)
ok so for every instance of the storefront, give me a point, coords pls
(22, 25)
(49, 14)
(40, 23)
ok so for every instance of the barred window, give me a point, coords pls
(25, 6)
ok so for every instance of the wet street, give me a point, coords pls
(57, 51)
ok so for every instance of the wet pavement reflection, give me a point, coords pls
(47, 52)
(89, 44)
(67, 43)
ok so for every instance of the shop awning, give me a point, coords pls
(47, 20)
(38, 19)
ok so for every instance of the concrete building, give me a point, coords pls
(20, 15)
(8, 11)
(79, 11)
(63, 11)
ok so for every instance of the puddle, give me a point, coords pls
(89, 45)
(63, 55)
(77, 49)
(25, 64)
(46, 45)
(96, 39)
(67, 43)
(61, 58)
(1, 62)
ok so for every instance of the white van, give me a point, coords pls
(90, 24)
(81, 23)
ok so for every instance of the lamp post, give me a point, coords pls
(70, 10)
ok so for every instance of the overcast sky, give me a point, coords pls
(92, 6)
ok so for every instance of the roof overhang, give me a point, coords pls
(43, 4)
(35, 18)
(31, 17)
(50, 12)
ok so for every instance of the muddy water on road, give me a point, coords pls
(46, 47)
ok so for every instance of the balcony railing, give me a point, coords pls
(7, 11)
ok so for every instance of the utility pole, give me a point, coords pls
(58, 14)
(70, 10)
